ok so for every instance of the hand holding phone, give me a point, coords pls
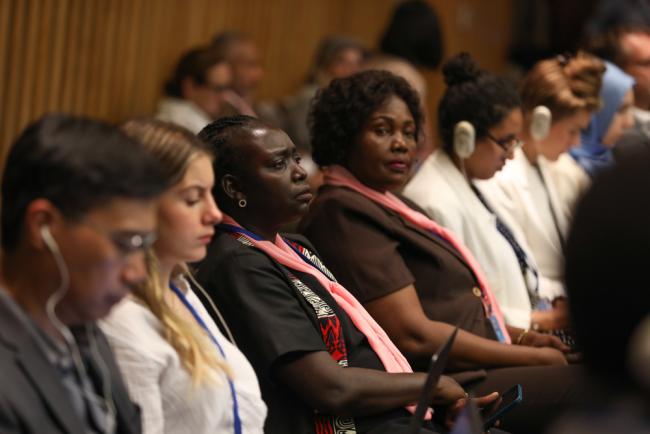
(508, 400)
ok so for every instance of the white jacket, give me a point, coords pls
(446, 196)
(182, 112)
(518, 196)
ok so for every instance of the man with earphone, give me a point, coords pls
(77, 213)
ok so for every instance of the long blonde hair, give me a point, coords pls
(564, 84)
(175, 147)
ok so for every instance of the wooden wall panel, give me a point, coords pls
(109, 58)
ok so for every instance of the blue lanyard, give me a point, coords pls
(235, 405)
(239, 230)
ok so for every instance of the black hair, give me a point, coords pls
(607, 262)
(193, 64)
(474, 95)
(340, 111)
(75, 163)
(414, 34)
(218, 137)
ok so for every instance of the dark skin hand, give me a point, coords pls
(332, 389)
(400, 314)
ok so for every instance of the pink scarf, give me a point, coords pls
(389, 355)
(339, 176)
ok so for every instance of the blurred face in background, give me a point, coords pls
(636, 46)
(346, 63)
(209, 95)
(622, 120)
(244, 59)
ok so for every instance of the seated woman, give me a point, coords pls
(537, 191)
(324, 364)
(413, 276)
(196, 93)
(443, 186)
(185, 375)
(607, 125)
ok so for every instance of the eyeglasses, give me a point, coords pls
(127, 242)
(508, 144)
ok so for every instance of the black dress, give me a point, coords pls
(272, 323)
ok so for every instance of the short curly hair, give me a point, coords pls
(473, 95)
(340, 111)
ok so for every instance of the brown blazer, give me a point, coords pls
(373, 252)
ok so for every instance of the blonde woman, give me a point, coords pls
(185, 375)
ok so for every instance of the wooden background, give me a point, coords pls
(109, 58)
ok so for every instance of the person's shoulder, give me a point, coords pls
(227, 254)
(301, 240)
(331, 199)
(432, 186)
(130, 320)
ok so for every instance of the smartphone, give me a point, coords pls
(506, 402)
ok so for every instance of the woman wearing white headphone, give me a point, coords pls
(480, 121)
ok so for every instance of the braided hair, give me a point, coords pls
(218, 136)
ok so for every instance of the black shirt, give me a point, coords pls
(272, 323)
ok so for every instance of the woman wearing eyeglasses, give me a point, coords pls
(444, 187)
(184, 373)
(532, 192)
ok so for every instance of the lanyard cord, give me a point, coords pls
(550, 205)
(235, 405)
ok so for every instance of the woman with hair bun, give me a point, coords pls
(528, 192)
(444, 187)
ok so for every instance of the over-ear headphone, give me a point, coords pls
(540, 124)
(464, 139)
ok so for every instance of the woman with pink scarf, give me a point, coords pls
(413, 276)
(323, 363)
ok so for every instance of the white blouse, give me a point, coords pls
(519, 194)
(160, 385)
(446, 196)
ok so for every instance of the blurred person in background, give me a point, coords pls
(242, 54)
(336, 57)
(413, 39)
(607, 125)
(195, 94)
(607, 285)
(628, 46)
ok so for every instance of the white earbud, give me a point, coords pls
(108, 423)
(48, 239)
(464, 139)
(540, 124)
